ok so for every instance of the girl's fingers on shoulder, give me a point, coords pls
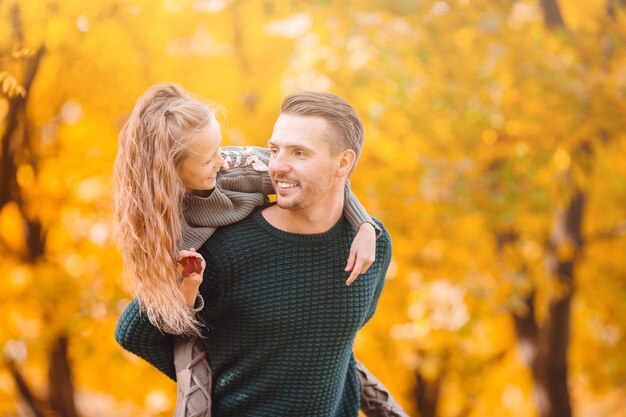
(185, 253)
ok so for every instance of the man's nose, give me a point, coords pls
(279, 163)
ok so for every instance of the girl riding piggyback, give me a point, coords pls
(174, 185)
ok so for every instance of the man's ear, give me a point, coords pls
(346, 162)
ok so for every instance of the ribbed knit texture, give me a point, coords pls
(135, 333)
(239, 190)
(281, 320)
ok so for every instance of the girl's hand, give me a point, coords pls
(362, 252)
(191, 282)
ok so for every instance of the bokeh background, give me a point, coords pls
(495, 154)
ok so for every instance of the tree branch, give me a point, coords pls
(35, 404)
(616, 231)
(11, 134)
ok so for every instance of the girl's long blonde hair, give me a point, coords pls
(148, 200)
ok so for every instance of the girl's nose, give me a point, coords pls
(220, 161)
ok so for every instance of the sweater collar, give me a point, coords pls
(329, 234)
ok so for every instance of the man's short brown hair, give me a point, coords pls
(345, 125)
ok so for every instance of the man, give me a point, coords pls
(281, 322)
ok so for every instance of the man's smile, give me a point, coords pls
(282, 184)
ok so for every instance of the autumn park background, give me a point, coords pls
(495, 154)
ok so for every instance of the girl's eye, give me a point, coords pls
(213, 158)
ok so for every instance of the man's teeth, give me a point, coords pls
(286, 185)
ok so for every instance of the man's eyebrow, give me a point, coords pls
(270, 144)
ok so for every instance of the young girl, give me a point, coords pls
(169, 199)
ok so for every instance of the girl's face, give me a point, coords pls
(203, 159)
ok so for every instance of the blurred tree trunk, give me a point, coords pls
(552, 14)
(60, 401)
(61, 393)
(544, 347)
(15, 138)
(426, 394)
(17, 146)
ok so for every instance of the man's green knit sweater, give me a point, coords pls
(281, 321)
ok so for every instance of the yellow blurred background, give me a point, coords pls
(495, 155)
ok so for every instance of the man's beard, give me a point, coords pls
(298, 204)
(308, 193)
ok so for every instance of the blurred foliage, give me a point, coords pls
(483, 124)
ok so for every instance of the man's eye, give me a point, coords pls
(273, 151)
(299, 154)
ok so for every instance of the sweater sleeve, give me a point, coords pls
(136, 334)
(202, 215)
(383, 254)
(245, 170)
(355, 212)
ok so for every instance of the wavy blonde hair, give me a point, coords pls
(148, 200)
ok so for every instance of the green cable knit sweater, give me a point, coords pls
(281, 322)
